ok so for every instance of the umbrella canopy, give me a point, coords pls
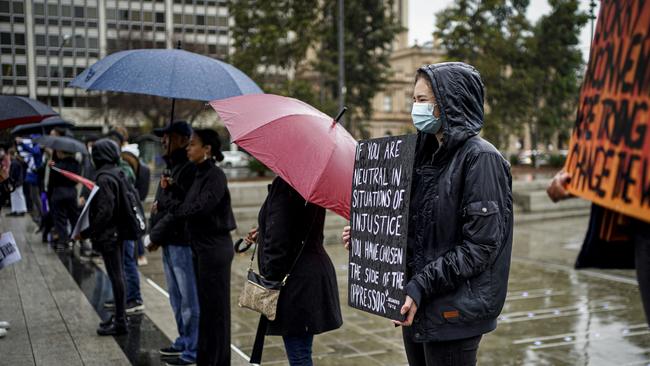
(304, 146)
(15, 110)
(170, 73)
(62, 143)
(42, 127)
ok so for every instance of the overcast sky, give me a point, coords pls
(422, 19)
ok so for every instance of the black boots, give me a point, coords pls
(112, 327)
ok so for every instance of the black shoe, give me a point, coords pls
(109, 304)
(180, 362)
(134, 307)
(170, 351)
(106, 323)
(113, 329)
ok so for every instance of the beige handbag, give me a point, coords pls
(260, 294)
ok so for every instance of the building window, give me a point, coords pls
(52, 10)
(41, 71)
(7, 70)
(5, 38)
(147, 16)
(124, 15)
(18, 7)
(21, 70)
(4, 7)
(93, 43)
(388, 104)
(66, 10)
(79, 12)
(54, 41)
(160, 17)
(19, 39)
(40, 40)
(178, 18)
(91, 12)
(200, 20)
(39, 9)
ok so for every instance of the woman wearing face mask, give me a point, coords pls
(209, 219)
(460, 222)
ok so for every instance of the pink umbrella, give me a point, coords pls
(304, 146)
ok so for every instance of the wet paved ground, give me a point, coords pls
(554, 315)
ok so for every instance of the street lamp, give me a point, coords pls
(64, 41)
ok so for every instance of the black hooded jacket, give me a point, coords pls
(103, 229)
(460, 224)
(165, 229)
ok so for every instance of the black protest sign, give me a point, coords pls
(381, 189)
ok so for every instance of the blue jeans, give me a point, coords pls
(131, 272)
(299, 349)
(181, 284)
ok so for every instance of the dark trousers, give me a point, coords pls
(642, 262)
(461, 352)
(65, 211)
(114, 268)
(299, 349)
(212, 265)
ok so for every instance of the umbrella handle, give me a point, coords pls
(341, 113)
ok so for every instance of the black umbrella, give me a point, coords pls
(42, 127)
(15, 110)
(62, 143)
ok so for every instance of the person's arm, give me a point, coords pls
(486, 198)
(276, 252)
(208, 198)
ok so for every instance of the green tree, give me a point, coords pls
(272, 41)
(530, 71)
(491, 35)
(370, 28)
(556, 65)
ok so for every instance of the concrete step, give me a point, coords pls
(538, 201)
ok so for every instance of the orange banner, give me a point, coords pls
(609, 152)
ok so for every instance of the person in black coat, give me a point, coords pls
(170, 234)
(309, 302)
(209, 220)
(62, 195)
(460, 221)
(103, 231)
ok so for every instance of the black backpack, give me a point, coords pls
(130, 212)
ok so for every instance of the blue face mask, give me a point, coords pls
(424, 119)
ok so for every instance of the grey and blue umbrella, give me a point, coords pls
(42, 127)
(15, 110)
(171, 73)
(63, 143)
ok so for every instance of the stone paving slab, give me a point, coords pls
(52, 322)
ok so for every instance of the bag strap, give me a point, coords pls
(258, 345)
(295, 261)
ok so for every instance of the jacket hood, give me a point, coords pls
(459, 92)
(105, 151)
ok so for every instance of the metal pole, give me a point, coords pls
(60, 79)
(341, 47)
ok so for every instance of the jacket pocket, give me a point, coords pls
(482, 222)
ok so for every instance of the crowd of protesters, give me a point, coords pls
(453, 261)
